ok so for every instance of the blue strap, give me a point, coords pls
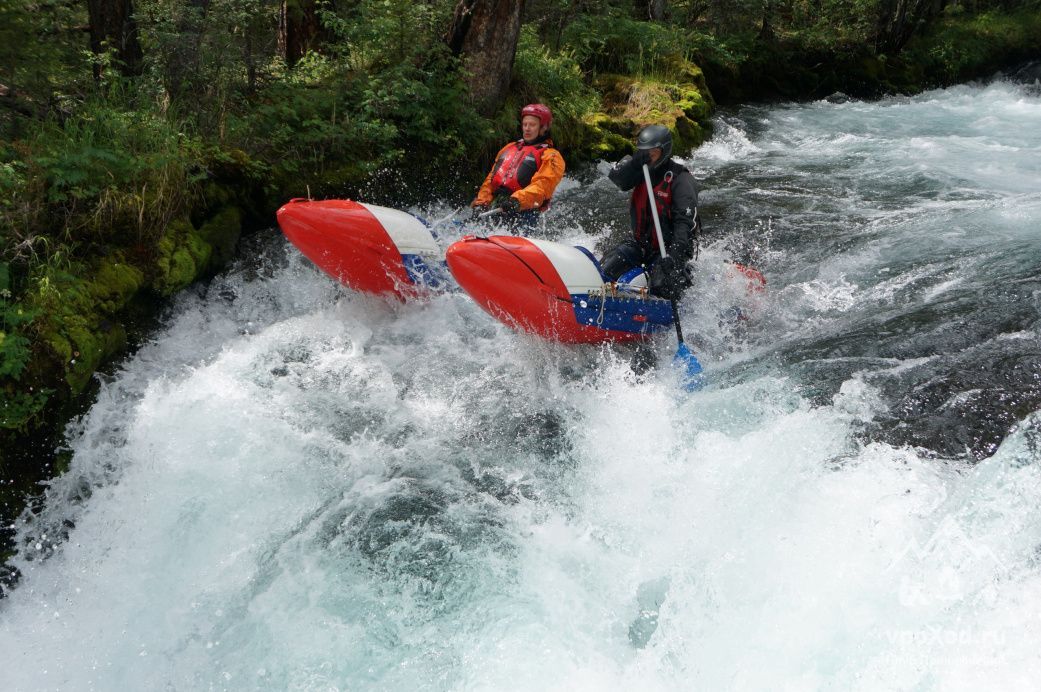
(596, 262)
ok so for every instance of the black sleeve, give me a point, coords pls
(626, 174)
(684, 208)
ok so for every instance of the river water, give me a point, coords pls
(295, 487)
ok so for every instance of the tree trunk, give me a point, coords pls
(766, 29)
(899, 20)
(298, 29)
(485, 33)
(112, 26)
(656, 10)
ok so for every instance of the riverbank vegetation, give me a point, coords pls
(139, 138)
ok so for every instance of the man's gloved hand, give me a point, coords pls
(625, 174)
(665, 278)
(625, 161)
(477, 208)
(510, 205)
(641, 157)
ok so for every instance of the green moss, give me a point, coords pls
(62, 461)
(222, 233)
(115, 283)
(77, 330)
(214, 196)
(592, 138)
(690, 99)
(58, 344)
(688, 134)
(201, 253)
(86, 354)
(179, 271)
(182, 257)
(81, 343)
(78, 327)
(631, 103)
(19, 404)
(66, 329)
(688, 73)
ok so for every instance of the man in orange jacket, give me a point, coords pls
(525, 172)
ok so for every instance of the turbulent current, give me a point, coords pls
(297, 487)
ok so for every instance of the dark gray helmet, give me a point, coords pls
(656, 137)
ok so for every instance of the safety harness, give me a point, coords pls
(641, 206)
(517, 166)
(645, 234)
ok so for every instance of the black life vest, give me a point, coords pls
(516, 166)
(643, 221)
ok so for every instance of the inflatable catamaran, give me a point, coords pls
(551, 289)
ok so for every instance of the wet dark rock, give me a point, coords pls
(1029, 73)
(966, 410)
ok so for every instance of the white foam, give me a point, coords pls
(297, 487)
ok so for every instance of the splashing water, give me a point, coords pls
(295, 487)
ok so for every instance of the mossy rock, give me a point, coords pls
(636, 97)
(614, 90)
(873, 67)
(76, 325)
(183, 257)
(688, 134)
(686, 72)
(599, 137)
(222, 234)
(611, 125)
(632, 103)
(93, 345)
(233, 165)
(58, 344)
(214, 196)
(115, 283)
(692, 101)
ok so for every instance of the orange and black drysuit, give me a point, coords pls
(676, 197)
(527, 171)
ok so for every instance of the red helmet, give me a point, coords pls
(539, 111)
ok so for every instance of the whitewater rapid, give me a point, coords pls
(296, 487)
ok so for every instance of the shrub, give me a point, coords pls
(542, 74)
(621, 44)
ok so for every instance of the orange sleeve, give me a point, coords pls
(484, 194)
(543, 183)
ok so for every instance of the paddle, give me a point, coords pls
(693, 378)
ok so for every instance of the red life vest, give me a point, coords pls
(516, 166)
(644, 227)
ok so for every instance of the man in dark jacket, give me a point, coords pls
(676, 198)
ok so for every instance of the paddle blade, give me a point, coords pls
(693, 377)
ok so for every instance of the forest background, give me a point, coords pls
(140, 138)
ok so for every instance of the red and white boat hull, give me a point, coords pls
(553, 290)
(369, 248)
